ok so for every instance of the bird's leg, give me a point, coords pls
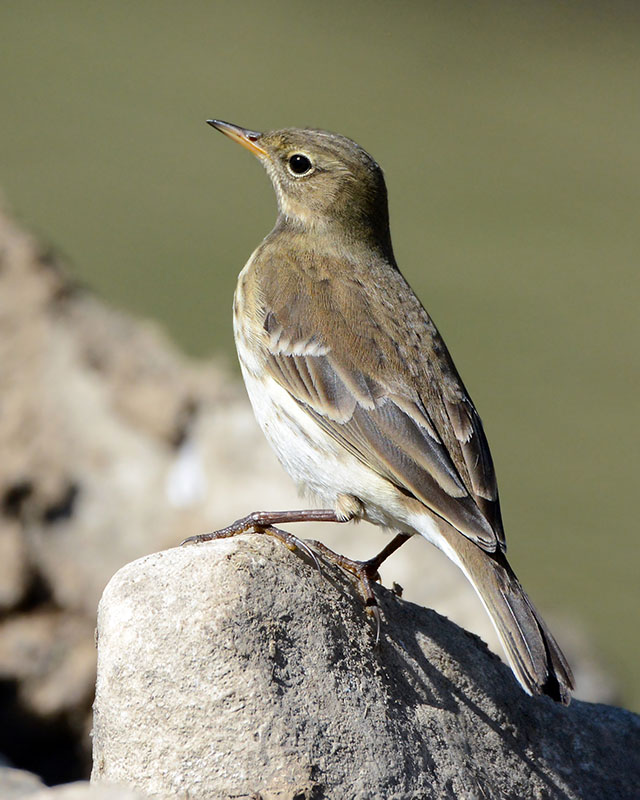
(373, 564)
(258, 521)
(265, 521)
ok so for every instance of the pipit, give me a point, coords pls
(357, 394)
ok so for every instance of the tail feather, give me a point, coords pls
(532, 652)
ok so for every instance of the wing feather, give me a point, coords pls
(384, 436)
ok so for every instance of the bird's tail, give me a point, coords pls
(532, 652)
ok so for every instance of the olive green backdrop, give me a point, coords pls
(509, 134)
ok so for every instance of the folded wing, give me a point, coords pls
(429, 444)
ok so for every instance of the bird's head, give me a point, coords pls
(324, 182)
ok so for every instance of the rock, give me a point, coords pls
(233, 669)
(18, 783)
(83, 790)
(52, 657)
(14, 571)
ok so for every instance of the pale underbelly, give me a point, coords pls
(319, 464)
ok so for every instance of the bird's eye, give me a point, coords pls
(299, 164)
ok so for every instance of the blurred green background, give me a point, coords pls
(509, 135)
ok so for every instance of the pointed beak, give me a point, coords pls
(243, 136)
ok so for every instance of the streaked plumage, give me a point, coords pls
(355, 389)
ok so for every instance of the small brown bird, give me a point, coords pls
(356, 391)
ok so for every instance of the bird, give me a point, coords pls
(355, 389)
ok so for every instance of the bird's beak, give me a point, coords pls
(244, 137)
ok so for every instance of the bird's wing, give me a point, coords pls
(397, 405)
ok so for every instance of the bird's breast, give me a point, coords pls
(248, 324)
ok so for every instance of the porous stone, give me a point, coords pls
(235, 669)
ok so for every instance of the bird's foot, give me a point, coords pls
(245, 525)
(264, 522)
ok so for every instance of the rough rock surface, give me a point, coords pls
(233, 669)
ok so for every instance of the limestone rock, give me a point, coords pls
(234, 669)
